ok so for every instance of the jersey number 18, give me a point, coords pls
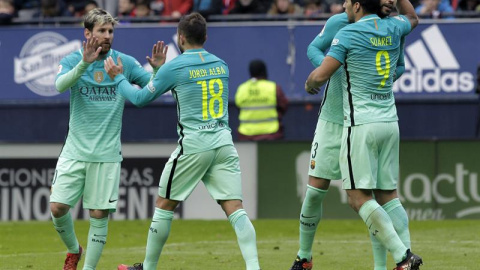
(208, 106)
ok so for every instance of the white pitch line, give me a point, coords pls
(141, 249)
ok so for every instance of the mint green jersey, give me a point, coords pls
(369, 50)
(199, 83)
(331, 107)
(96, 108)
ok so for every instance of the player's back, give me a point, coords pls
(370, 65)
(331, 107)
(201, 91)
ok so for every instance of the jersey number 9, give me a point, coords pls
(385, 72)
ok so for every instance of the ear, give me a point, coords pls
(182, 39)
(357, 7)
(87, 33)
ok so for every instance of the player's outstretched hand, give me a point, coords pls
(111, 68)
(159, 54)
(91, 50)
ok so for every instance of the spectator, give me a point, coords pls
(89, 5)
(208, 7)
(313, 7)
(111, 6)
(7, 11)
(126, 8)
(143, 8)
(228, 5)
(285, 7)
(469, 5)
(73, 8)
(50, 9)
(173, 8)
(434, 9)
(262, 104)
(248, 7)
(334, 6)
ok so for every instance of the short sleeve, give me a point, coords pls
(137, 74)
(64, 66)
(403, 23)
(339, 46)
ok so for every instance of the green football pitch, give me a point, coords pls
(193, 244)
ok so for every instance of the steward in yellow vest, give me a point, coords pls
(260, 107)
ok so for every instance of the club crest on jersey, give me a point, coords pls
(312, 164)
(98, 76)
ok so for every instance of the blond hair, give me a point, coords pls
(98, 16)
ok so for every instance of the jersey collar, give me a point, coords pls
(190, 51)
(369, 17)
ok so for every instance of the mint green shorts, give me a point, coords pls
(218, 169)
(325, 152)
(369, 156)
(98, 182)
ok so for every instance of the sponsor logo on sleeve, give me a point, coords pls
(150, 87)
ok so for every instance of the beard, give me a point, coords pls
(385, 13)
(105, 48)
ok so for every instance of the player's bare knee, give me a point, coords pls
(166, 204)
(384, 196)
(59, 209)
(231, 206)
(318, 182)
(354, 204)
(94, 213)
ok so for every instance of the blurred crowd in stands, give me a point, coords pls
(24, 10)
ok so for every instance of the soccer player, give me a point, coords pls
(205, 152)
(324, 163)
(89, 163)
(369, 151)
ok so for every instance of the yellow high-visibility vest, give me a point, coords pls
(257, 101)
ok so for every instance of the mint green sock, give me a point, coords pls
(157, 237)
(65, 229)
(97, 238)
(380, 225)
(309, 218)
(379, 254)
(399, 218)
(246, 238)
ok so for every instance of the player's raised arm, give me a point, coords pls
(405, 8)
(400, 69)
(318, 47)
(159, 55)
(91, 50)
(137, 74)
(140, 97)
(320, 75)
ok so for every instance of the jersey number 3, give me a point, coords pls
(385, 72)
(208, 105)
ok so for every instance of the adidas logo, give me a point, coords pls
(431, 67)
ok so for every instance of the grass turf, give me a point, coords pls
(194, 244)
